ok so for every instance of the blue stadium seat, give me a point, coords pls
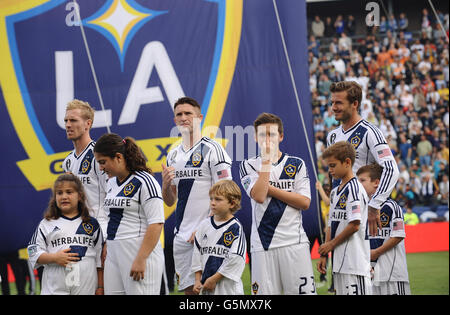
(420, 209)
(441, 210)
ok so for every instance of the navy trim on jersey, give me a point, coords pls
(120, 183)
(153, 191)
(184, 189)
(270, 220)
(378, 135)
(115, 216)
(220, 225)
(218, 149)
(351, 128)
(71, 219)
(84, 150)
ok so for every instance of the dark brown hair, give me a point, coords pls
(267, 118)
(53, 212)
(340, 151)
(353, 89)
(375, 170)
(109, 144)
(186, 100)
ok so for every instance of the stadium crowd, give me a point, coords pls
(404, 73)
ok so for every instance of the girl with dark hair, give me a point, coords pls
(134, 262)
(68, 243)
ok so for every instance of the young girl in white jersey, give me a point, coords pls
(68, 243)
(134, 261)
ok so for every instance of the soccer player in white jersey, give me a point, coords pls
(219, 252)
(279, 188)
(81, 161)
(346, 232)
(191, 169)
(368, 141)
(387, 255)
(68, 243)
(134, 256)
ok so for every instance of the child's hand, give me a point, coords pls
(322, 265)
(197, 287)
(138, 269)
(64, 257)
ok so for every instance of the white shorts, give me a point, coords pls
(119, 259)
(76, 279)
(283, 270)
(392, 288)
(348, 284)
(182, 257)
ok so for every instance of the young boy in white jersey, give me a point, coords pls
(387, 255)
(346, 233)
(191, 169)
(81, 161)
(219, 252)
(279, 188)
(68, 243)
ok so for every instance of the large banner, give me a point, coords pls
(131, 59)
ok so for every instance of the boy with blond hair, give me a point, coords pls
(218, 259)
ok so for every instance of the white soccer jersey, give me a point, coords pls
(275, 223)
(370, 146)
(346, 205)
(390, 266)
(196, 170)
(86, 168)
(84, 238)
(220, 247)
(132, 205)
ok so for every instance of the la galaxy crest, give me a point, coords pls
(143, 61)
(290, 170)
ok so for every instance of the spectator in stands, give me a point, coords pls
(403, 22)
(392, 23)
(350, 25)
(410, 217)
(317, 27)
(424, 150)
(329, 27)
(339, 25)
(427, 190)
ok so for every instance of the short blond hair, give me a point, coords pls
(230, 190)
(87, 112)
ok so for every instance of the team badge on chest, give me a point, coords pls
(228, 238)
(290, 170)
(128, 189)
(88, 228)
(196, 158)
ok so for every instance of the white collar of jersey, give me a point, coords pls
(352, 127)
(120, 183)
(84, 150)
(220, 225)
(71, 219)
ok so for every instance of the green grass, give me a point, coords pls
(428, 275)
